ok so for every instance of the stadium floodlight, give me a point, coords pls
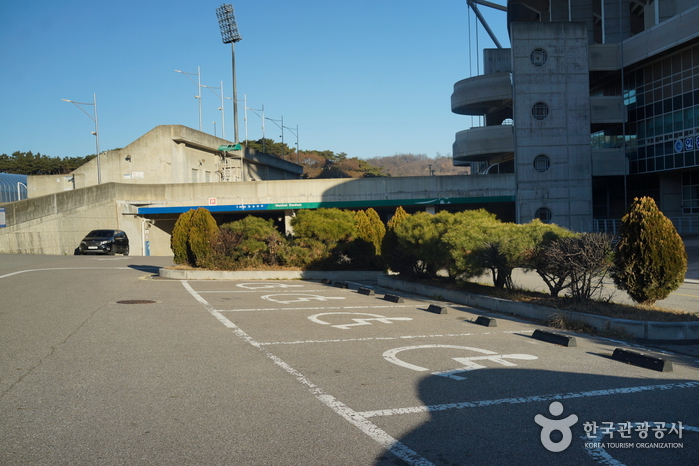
(226, 21)
(230, 35)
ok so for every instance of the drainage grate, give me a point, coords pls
(136, 301)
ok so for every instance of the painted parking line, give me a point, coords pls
(377, 434)
(362, 420)
(400, 337)
(64, 268)
(320, 308)
(527, 399)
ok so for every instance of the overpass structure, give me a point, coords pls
(55, 223)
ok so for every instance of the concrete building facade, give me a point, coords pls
(595, 103)
(170, 154)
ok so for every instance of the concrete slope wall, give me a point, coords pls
(55, 224)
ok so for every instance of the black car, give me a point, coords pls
(106, 242)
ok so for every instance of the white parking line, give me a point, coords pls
(528, 399)
(253, 291)
(401, 337)
(373, 431)
(65, 268)
(258, 309)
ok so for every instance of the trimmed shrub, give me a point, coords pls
(203, 230)
(370, 228)
(325, 235)
(179, 240)
(397, 258)
(254, 242)
(541, 258)
(468, 234)
(650, 260)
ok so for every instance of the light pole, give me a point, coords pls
(199, 86)
(262, 117)
(281, 127)
(230, 35)
(96, 132)
(297, 140)
(223, 118)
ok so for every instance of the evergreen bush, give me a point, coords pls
(650, 260)
(258, 242)
(325, 234)
(202, 232)
(396, 257)
(179, 240)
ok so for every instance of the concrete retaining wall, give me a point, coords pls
(671, 331)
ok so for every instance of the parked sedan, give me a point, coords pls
(105, 242)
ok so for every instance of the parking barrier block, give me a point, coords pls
(642, 360)
(555, 338)
(437, 309)
(486, 321)
(393, 298)
(342, 285)
(366, 291)
(325, 281)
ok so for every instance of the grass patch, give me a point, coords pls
(601, 308)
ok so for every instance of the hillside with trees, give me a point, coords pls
(316, 163)
(28, 163)
(417, 165)
(328, 164)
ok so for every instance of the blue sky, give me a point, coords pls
(370, 78)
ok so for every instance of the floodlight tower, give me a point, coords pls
(230, 35)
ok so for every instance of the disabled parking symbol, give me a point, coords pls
(371, 318)
(288, 298)
(266, 285)
(468, 363)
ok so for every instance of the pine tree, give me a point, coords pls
(651, 260)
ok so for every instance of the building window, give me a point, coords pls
(540, 111)
(542, 163)
(538, 57)
(543, 214)
(690, 192)
(195, 175)
(207, 176)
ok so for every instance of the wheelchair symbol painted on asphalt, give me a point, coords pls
(357, 321)
(289, 298)
(260, 286)
(468, 363)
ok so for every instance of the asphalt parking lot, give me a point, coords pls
(306, 373)
(438, 388)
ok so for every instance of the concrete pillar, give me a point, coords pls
(430, 209)
(288, 215)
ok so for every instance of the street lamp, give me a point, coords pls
(230, 35)
(223, 118)
(199, 86)
(297, 140)
(96, 132)
(281, 127)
